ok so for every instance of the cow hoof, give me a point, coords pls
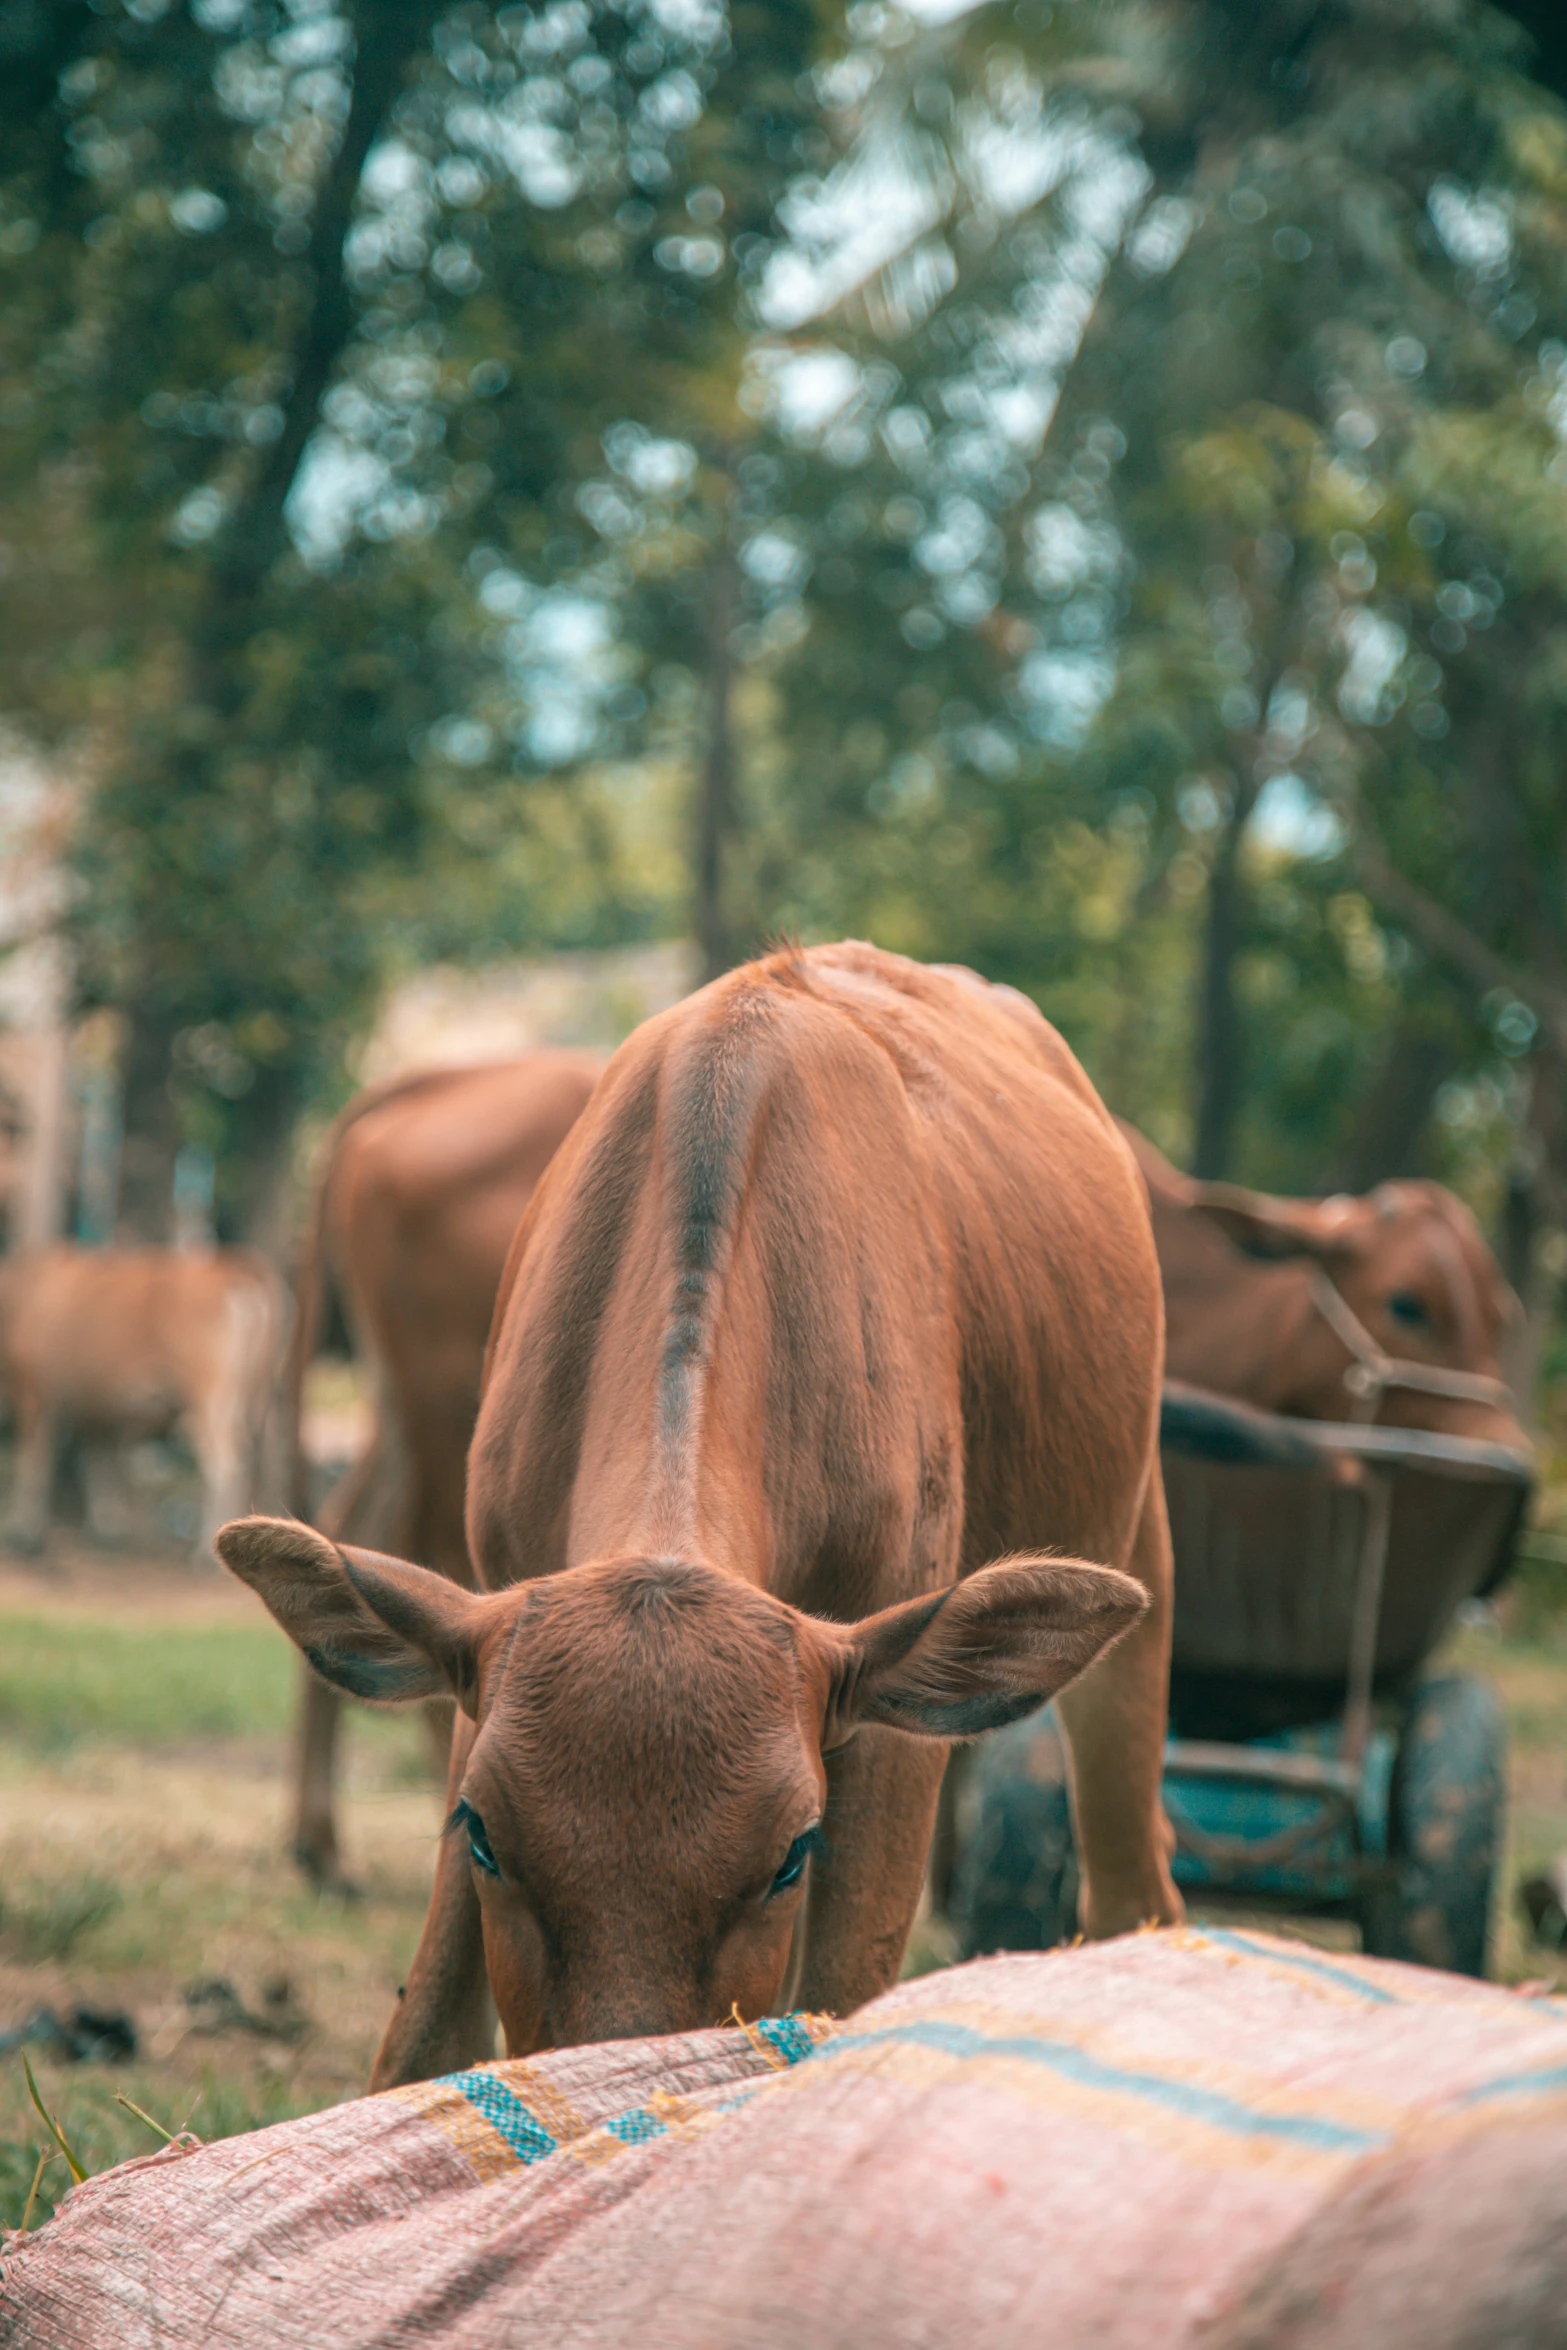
(28, 1542)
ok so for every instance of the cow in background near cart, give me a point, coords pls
(1318, 1568)
(1387, 1308)
(422, 1183)
(115, 1344)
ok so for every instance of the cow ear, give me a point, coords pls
(976, 1656)
(374, 1626)
(1268, 1227)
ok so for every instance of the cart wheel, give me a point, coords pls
(1015, 1884)
(1448, 1806)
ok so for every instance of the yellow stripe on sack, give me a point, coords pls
(481, 2145)
(1186, 2119)
(1140, 2070)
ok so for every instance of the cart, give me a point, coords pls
(1312, 1765)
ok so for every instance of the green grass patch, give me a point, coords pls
(48, 1922)
(64, 1679)
(101, 2132)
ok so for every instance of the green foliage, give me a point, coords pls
(1150, 541)
(1295, 326)
(286, 739)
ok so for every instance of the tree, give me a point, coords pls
(425, 259)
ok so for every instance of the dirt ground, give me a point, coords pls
(144, 1720)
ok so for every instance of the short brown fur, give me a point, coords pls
(120, 1343)
(421, 1187)
(842, 1286)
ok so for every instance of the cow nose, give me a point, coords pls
(644, 2013)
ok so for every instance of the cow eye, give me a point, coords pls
(466, 1818)
(1405, 1307)
(794, 1861)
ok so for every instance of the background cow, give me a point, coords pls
(1388, 1307)
(842, 1285)
(114, 1344)
(421, 1188)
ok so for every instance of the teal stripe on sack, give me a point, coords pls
(1344, 1976)
(1532, 2084)
(1089, 2072)
(505, 2112)
(789, 2034)
(530, 2141)
(636, 2127)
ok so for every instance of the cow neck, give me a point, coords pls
(704, 1501)
(1268, 1329)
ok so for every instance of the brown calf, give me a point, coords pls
(1388, 1307)
(422, 1185)
(121, 1343)
(842, 1285)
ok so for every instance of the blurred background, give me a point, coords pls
(1082, 490)
(504, 510)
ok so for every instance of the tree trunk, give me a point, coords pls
(1393, 1115)
(37, 1207)
(1220, 1047)
(152, 1138)
(716, 801)
(388, 36)
(256, 1210)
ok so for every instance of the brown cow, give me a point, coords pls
(842, 1285)
(1388, 1307)
(118, 1343)
(422, 1186)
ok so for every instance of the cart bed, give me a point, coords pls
(1269, 1519)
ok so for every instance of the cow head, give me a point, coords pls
(1410, 1262)
(645, 1786)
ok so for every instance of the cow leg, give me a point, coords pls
(316, 1725)
(882, 1792)
(103, 1490)
(948, 1837)
(362, 1507)
(221, 1443)
(1115, 1726)
(28, 1530)
(444, 2018)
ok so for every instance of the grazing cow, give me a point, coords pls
(119, 1343)
(1388, 1307)
(842, 1285)
(422, 1186)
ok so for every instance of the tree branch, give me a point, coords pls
(1451, 940)
(388, 34)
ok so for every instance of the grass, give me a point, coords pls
(48, 1921)
(63, 1681)
(152, 1681)
(144, 1719)
(101, 2131)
